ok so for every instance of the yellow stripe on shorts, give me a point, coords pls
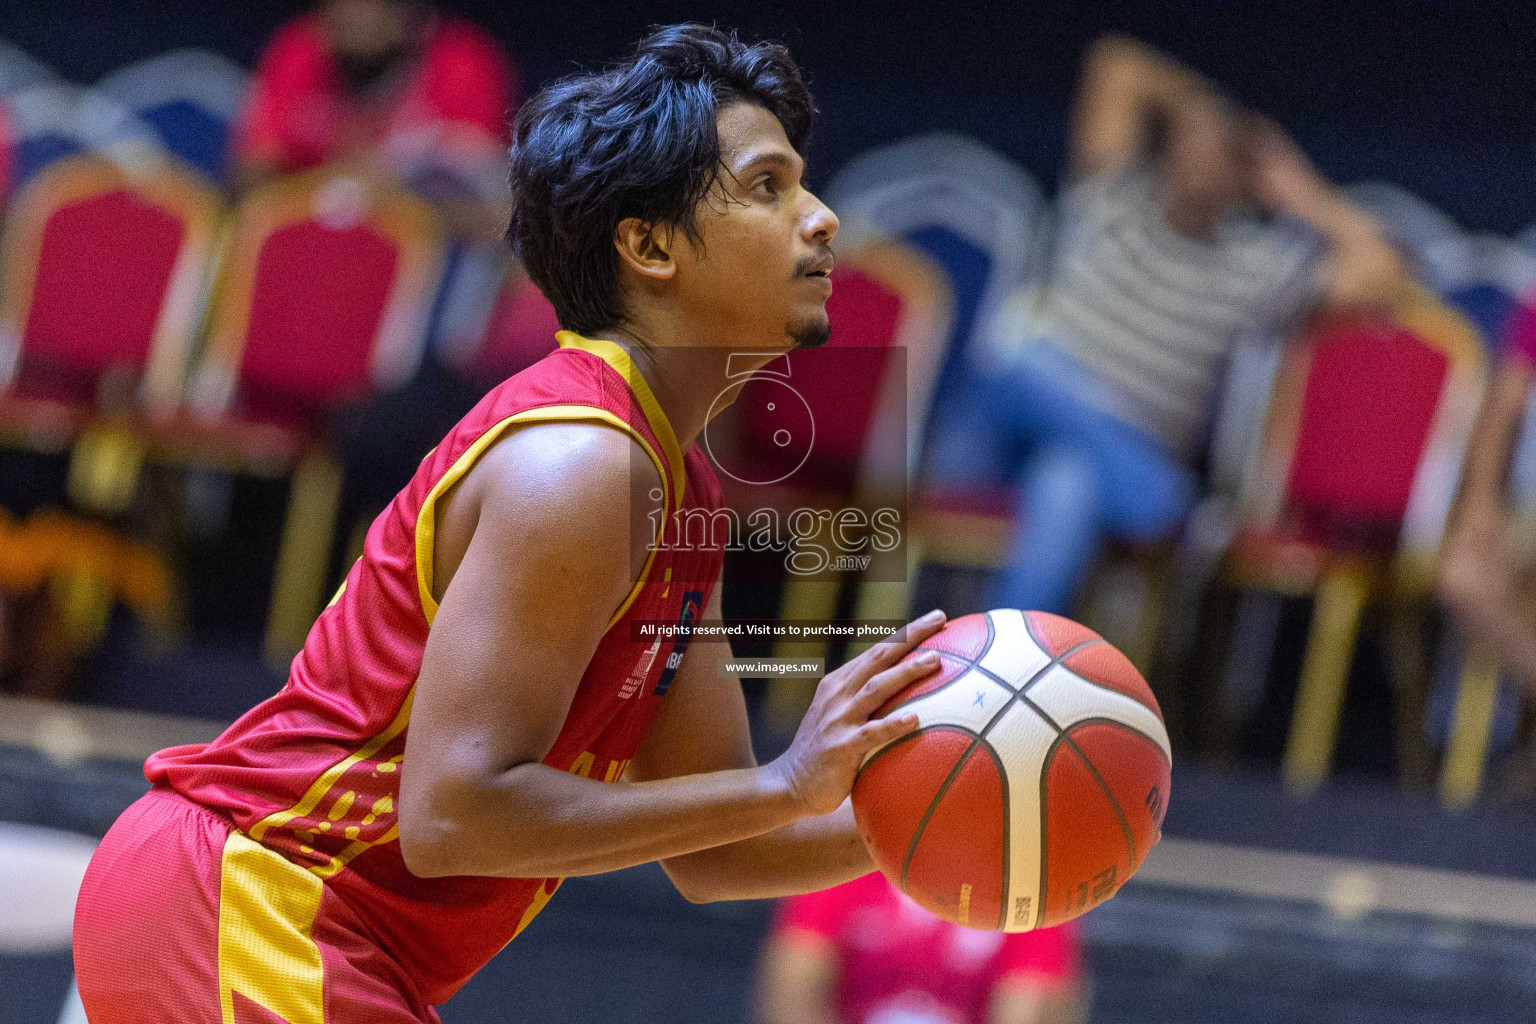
(267, 908)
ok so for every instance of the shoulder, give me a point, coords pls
(579, 466)
(562, 501)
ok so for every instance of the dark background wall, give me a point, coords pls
(1438, 96)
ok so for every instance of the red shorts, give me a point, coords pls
(184, 920)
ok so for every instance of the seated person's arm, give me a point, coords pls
(1361, 267)
(1126, 86)
(702, 727)
(533, 552)
(1484, 577)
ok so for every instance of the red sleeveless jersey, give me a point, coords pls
(313, 772)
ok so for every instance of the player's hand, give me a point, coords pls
(820, 765)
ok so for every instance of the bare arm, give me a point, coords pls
(796, 983)
(1126, 86)
(1484, 574)
(702, 727)
(1362, 267)
(535, 546)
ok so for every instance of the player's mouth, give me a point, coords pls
(818, 268)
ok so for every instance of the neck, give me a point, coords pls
(688, 375)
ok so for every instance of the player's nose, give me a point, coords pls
(820, 224)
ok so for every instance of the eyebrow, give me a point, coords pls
(772, 157)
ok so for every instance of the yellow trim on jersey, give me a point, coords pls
(333, 774)
(267, 951)
(356, 847)
(426, 524)
(541, 897)
(615, 356)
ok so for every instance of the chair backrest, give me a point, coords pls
(54, 120)
(1368, 413)
(20, 70)
(104, 272)
(867, 390)
(1483, 275)
(189, 97)
(325, 297)
(974, 212)
(1412, 222)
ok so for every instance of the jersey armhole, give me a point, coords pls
(426, 519)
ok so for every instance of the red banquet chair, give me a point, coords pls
(1362, 446)
(324, 299)
(104, 270)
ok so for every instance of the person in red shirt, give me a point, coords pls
(482, 711)
(392, 83)
(863, 953)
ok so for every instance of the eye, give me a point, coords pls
(765, 186)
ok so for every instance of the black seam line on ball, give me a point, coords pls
(1063, 736)
(914, 734)
(966, 665)
(1094, 682)
(1045, 832)
(1029, 629)
(960, 763)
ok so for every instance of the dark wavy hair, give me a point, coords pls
(636, 140)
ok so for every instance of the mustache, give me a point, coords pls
(822, 255)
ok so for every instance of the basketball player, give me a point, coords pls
(357, 846)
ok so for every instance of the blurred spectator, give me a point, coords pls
(863, 953)
(1186, 224)
(1488, 563)
(394, 83)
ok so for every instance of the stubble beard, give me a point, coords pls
(811, 334)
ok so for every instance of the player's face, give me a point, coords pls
(759, 277)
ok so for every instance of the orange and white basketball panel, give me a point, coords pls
(957, 865)
(1086, 848)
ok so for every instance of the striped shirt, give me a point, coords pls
(1153, 314)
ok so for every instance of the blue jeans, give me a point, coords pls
(1079, 474)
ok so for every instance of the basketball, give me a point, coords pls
(1035, 783)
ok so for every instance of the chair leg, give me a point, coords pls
(1142, 649)
(1461, 775)
(104, 469)
(1410, 661)
(1324, 675)
(297, 592)
(1256, 623)
(812, 599)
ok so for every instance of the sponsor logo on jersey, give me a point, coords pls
(640, 671)
(693, 603)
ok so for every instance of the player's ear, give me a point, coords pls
(646, 248)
